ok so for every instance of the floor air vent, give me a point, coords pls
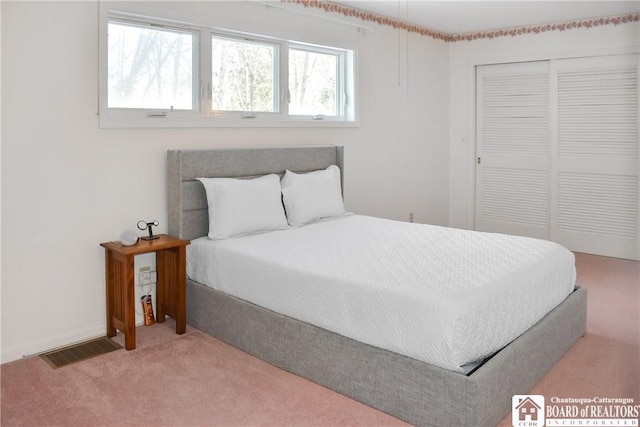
(80, 352)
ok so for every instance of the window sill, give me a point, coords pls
(174, 122)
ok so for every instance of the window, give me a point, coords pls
(150, 67)
(314, 82)
(243, 75)
(159, 73)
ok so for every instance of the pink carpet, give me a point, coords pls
(172, 380)
(606, 361)
(193, 379)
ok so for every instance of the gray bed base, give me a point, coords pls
(414, 391)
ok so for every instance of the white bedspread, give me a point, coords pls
(445, 296)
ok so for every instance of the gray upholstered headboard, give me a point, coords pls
(188, 212)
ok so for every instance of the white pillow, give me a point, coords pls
(243, 206)
(311, 196)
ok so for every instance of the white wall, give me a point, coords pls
(464, 56)
(68, 185)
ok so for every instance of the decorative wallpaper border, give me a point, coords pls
(329, 6)
(537, 29)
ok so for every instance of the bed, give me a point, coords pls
(409, 388)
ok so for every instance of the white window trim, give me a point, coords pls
(202, 116)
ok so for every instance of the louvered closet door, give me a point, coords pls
(559, 146)
(595, 169)
(512, 179)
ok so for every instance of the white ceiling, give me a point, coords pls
(461, 16)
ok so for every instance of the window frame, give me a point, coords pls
(202, 115)
(195, 72)
(341, 78)
(278, 98)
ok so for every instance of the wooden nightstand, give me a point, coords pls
(170, 291)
